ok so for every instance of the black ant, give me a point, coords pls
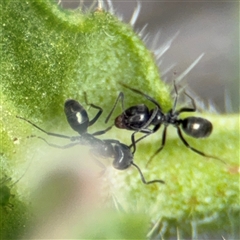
(139, 118)
(121, 153)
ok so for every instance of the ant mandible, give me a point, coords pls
(139, 118)
(77, 118)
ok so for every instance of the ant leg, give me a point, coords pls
(54, 145)
(147, 131)
(133, 145)
(102, 132)
(144, 129)
(143, 94)
(193, 109)
(176, 97)
(142, 177)
(194, 149)
(162, 145)
(100, 110)
(48, 133)
(120, 97)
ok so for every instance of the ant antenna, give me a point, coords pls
(143, 94)
(48, 133)
(142, 177)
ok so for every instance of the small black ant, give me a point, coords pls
(77, 118)
(139, 118)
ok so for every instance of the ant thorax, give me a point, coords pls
(171, 118)
(158, 119)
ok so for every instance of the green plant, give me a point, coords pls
(50, 54)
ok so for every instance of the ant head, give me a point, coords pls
(123, 157)
(77, 116)
(133, 118)
(197, 127)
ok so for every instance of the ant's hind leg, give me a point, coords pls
(186, 109)
(194, 149)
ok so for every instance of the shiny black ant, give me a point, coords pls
(139, 118)
(121, 153)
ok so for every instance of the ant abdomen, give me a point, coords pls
(77, 116)
(196, 127)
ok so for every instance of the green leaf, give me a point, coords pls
(50, 54)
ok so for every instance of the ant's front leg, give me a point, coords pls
(119, 98)
(147, 131)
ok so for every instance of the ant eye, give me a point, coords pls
(197, 127)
